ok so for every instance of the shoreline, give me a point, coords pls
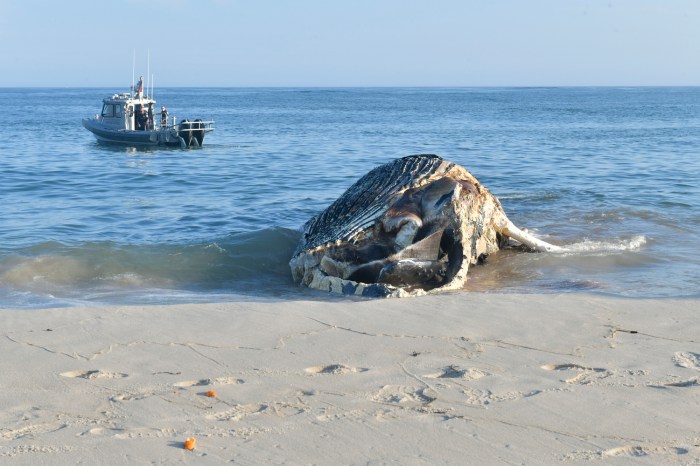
(302, 294)
(492, 378)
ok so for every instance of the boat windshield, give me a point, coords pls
(108, 110)
(112, 110)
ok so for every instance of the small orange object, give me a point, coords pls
(190, 443)
(212, 394)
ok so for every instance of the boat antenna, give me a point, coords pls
(133, 68)
(149, 70)
(153, 80)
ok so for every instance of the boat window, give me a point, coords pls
(118, 111)
(108, 110)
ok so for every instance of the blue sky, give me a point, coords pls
(351, 43)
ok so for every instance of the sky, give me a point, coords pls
(319, 43)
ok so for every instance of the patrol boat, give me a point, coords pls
(128, 119)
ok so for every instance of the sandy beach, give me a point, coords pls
(456, 378)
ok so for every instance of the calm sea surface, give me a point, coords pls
(612, 173)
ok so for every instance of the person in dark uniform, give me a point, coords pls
(142, 119)
(163, 116)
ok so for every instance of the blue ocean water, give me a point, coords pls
(613, 173)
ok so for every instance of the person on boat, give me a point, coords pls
(163, 116)
(148, 118)
(142, 119)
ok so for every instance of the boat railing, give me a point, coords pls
(196, 125)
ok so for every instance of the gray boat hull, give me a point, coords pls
(158, 137)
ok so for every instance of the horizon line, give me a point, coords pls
(482, 86)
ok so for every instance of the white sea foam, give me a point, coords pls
(611, 246)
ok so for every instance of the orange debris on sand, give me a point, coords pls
(190, 443)
(212, 394)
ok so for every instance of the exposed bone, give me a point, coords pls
(505, 227)
(407, 232)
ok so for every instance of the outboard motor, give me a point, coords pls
(184, 132)
(198, 135)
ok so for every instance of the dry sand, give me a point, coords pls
(451, 379)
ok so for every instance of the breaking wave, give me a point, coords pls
(251, 262)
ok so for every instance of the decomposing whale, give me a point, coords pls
(409, 227)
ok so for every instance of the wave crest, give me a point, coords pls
(57, 268)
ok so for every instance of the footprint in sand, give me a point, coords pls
(131, 396)
(687, 360)
(238, 412)
(561, 367)
(637, 450)
(694, 382)
(586, 375)
(454, 372)
(486, 397)
(404, 396)
(93, 374)
(31, 430)
(336, 369)
(34, 449)
(204, 382)
(98, 431)
(145, 433)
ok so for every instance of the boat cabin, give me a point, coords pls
(121, 111)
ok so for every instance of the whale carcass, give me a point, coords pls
(411, 226)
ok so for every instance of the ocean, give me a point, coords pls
(611, 173)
